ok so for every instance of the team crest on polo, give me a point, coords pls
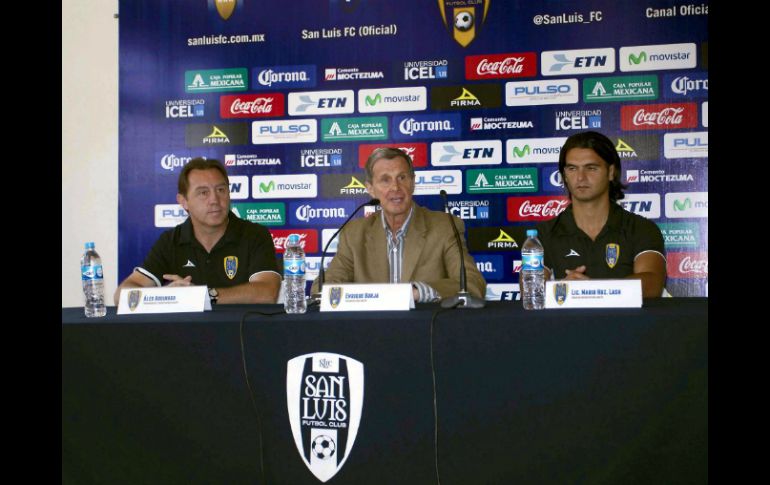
(134, 297)
(611, 254)
(231, 266)
(560, 292)
(324, 395)
(335, 295)
(465, 17)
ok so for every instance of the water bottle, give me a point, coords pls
(532, 276)
(294, 276)
(93, 282)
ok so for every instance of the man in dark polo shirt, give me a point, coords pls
(213, 247)
(595, 237)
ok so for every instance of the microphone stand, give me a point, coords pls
(321, 271)
(462, 299)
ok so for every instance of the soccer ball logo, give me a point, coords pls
(463, 21)
(323, 447)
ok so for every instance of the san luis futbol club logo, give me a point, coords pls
(324, 395)
(464, 18)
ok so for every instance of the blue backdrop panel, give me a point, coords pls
(288, 88)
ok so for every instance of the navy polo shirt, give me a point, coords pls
(245, 249)
(624, 236)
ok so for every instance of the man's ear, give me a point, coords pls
(181, 201)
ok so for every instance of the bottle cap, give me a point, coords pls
(531, 232)
(293, 238)
(89, 245)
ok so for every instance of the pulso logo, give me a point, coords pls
(285, 129)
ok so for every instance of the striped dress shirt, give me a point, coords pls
(426, 293)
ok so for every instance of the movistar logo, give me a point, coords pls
(519, 153)
(263, 188)
(373, 101)
(682, 205)
(354, 184)
(642, 57)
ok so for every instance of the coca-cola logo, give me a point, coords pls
(259, 105)
(251, 105)
(552, 208)
(280, 241)
(509, 65)
(486, 66)
(667, 116)
(539, 208)
(692, 265)
(687, 265)
(659, 116)
(308, 239)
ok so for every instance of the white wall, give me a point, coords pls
(89, 141)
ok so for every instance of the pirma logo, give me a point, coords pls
(324, 396)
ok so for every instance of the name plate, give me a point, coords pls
(358, 297)
(593, 294)
(166, 299)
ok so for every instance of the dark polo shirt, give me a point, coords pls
(243, 251)
(624, 237)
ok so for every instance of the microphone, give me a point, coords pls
(321, 271)
(462, 299)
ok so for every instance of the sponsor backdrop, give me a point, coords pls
(293, 96)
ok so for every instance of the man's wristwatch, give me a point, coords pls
(213, 295)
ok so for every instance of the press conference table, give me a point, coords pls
(555, 396)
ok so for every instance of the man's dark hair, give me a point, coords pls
(198, 164)
(388, 154)
(604, 148)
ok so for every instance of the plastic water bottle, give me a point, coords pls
(294, 276)
(93, 282)
(532, 276)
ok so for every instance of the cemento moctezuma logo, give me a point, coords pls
(324, 396)
(464, 17)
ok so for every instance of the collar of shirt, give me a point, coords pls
(567, 223)
(232, 233)
(401, 233)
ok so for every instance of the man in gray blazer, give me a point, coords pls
(404, 242)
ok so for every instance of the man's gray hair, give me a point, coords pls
(387, 153)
